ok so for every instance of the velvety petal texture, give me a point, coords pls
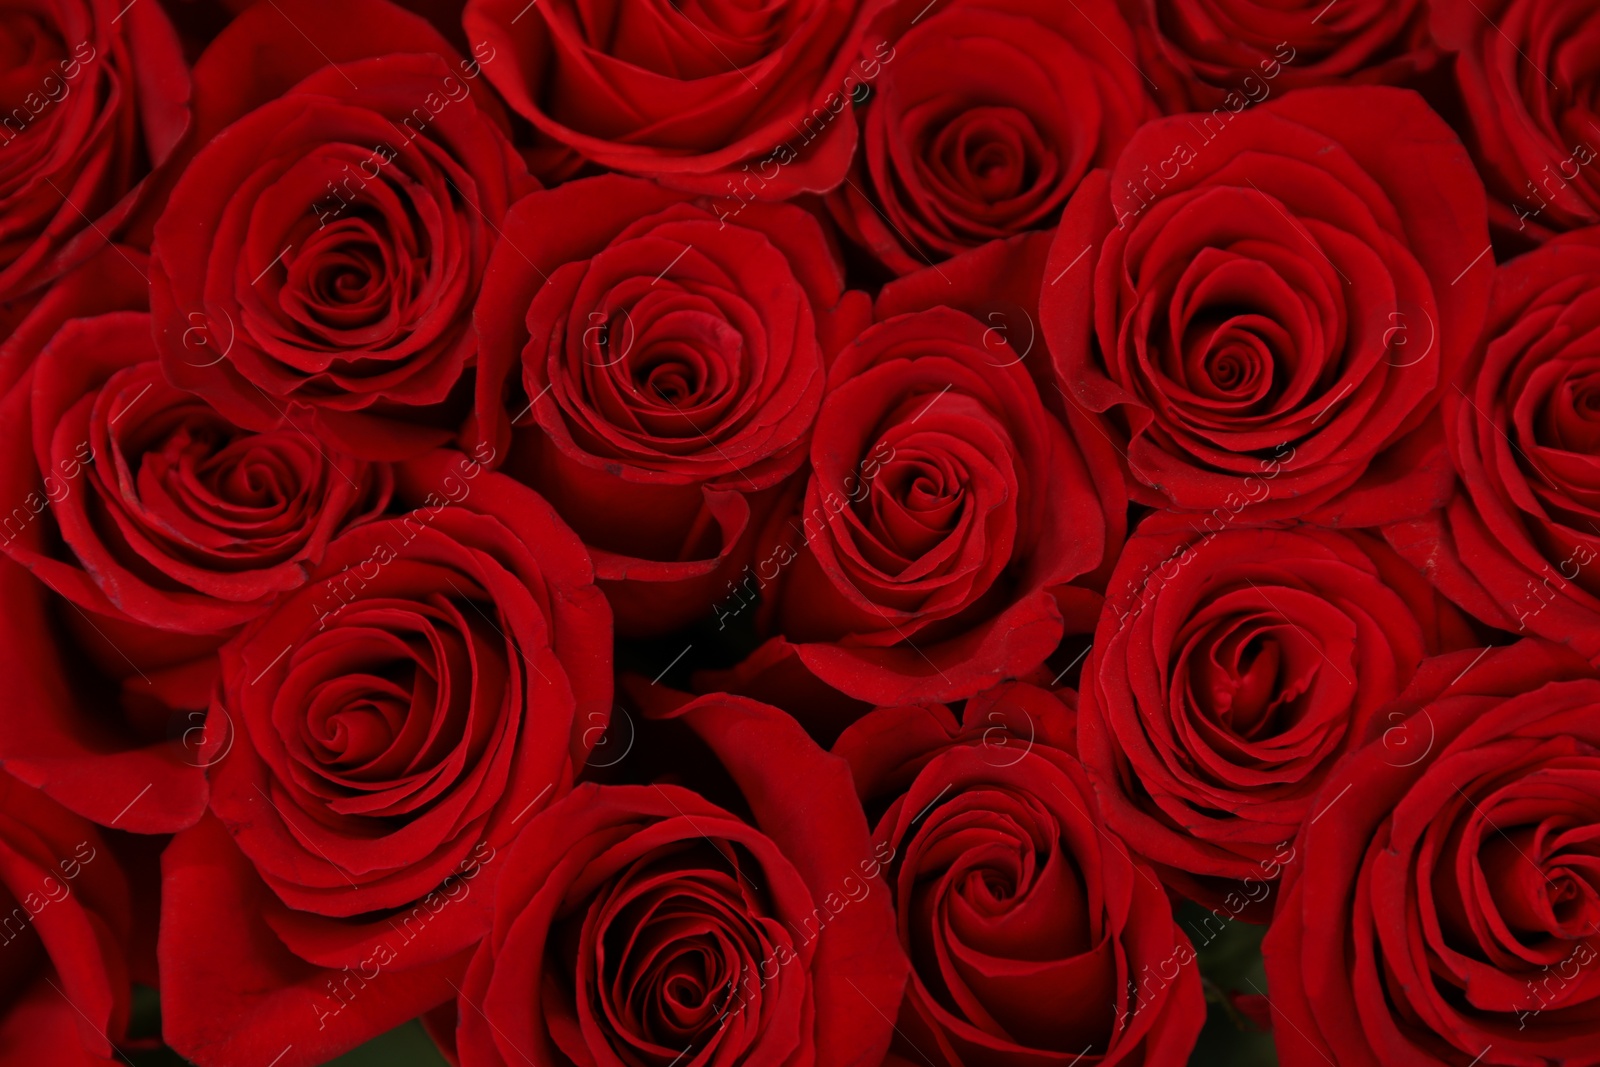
(395, 722)
(951, 529)
(709, 94)
(1517, 545)
(1232, 671)
(318, 260)
(1033, 937)
(800, 533)
(1284, 290)
(1444, 910)
(1229, 54)
(65, 922)
(666, 356)
(984, 118)
(111, 657)
(91, 95)
(647, 924)
(1527, 76)
(167, 514)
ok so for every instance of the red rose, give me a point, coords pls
(115, 722)
(65, 920)
(985, 115)
(648, 924)
(950, 528)
(1280, 293)
(92, 95)
(1534, 140)
(1446, 909)
(162, 512)
(149, 515)
(687, 93)
(671, 359)
(1033, 937)
(318, 260)
(397, 721)
(1231, 53)
(1517, 546)
(1231, 672)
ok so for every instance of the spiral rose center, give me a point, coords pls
(1234, 368)
(988, 154)
(249, 475)
(1571, 421)
(992, 881)
(674, 382)
(917, 501)
(213, 471)
(200, 487)
(1541, 892)
(1229, 359)
(677, 990)
(345, 279)
(679, 954)
(388, 695)
(679, 374)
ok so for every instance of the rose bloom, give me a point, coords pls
(666, 355)
(1525, 71)
(1274, 294)
(1517, 545)
(1231, 672)
(65, 921)
(653, 924)
(92, 96)
(318, 259)
(723, 99)
(985, 117)
(951, 529)
(394, 723)
(1445, 909)
(153, 528)
(178, 520)
(1208, 54)
(1033, 936)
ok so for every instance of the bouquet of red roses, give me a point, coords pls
(800, 533)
